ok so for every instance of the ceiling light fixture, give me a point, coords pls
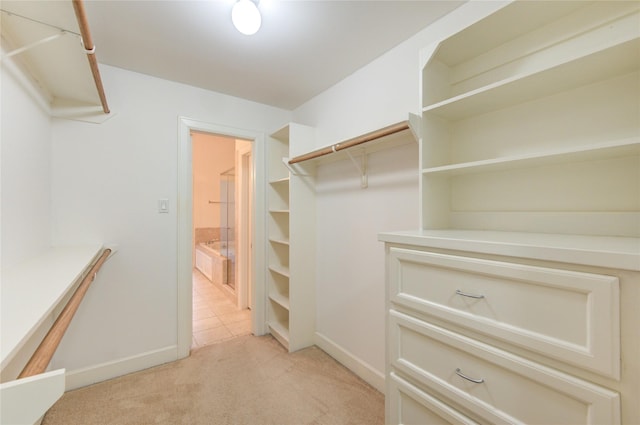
(246, 16)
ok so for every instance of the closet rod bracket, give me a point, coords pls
(34, 44)
(361, 167)
(291, 168)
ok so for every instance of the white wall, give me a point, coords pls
(350, 270)
(107, 179)
(25, 153)
(350, 260)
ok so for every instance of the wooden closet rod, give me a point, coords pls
(369, 137)
(89, 48)
(40, 359)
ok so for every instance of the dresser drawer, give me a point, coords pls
(508, 388)
(567, 315)
(409, 405)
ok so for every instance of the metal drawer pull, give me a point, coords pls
(464, 294)
(462, 375)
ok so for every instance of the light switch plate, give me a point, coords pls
(163, 205)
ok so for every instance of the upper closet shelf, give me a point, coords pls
(570, 73)
(48, 45)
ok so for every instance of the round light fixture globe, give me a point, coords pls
(246, 17)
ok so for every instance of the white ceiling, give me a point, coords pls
(302, 48)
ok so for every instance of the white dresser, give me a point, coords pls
(485, 338)
(517, 299)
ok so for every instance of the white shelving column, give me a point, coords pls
(291, 234)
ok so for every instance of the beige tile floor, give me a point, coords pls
(215, 317)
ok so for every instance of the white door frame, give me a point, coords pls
(244, 189)
(185, 224)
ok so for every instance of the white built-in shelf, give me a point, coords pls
(279, 241)
(280, 300)
(35, 289)
(604, 251)
(283, 271)
(280, 332)
(59, 66)
(291, 247)
(278, 255)
(284, 180)
(537, 132)
(604, 150)
(282, 134)
(571, 72)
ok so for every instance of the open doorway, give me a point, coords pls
(222, 211)
(250, 162)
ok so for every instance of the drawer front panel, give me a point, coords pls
(409, 405)
(567, 315)
(508, 389)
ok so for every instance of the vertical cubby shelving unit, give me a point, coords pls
(291, 241)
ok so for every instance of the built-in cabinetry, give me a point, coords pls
(515, 301)
(291, 240)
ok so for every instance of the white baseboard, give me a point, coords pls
(351, 362)
(109, 370)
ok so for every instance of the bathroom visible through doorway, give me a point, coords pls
(221, 255)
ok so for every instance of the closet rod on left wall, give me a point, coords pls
(90, 49)
(40, 359)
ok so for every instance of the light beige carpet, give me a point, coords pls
(248, 380)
